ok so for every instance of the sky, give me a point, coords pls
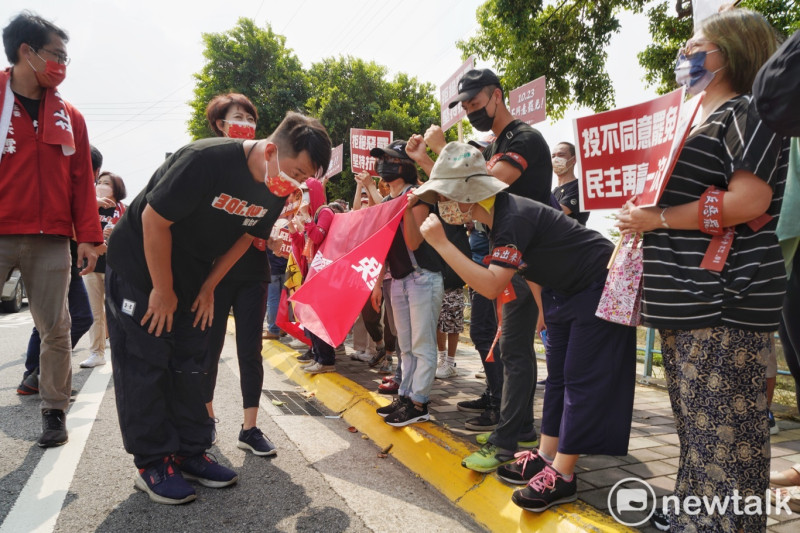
(132, 67)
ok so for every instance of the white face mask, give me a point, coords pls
(560, 165)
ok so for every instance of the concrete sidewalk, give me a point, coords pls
(434, 450)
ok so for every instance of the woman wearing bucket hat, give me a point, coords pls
(588, 401)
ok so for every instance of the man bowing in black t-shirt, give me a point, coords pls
(198, 214)
(519, 157)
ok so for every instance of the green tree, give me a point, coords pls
(352, 93)
(255, 62)
(566, 42)
(670, 28)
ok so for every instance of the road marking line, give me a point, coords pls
(39, 503)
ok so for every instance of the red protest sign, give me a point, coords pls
(527, 103)
(361, 142)
(630, 151)
(449, 90)
(337, 160)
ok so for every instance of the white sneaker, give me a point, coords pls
(446, 370)
(365, 357)
(93, 361)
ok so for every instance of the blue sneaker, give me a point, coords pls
(255, 441)
(206, 471)
(163, 483)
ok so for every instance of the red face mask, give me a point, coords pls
(241, 130)
(54, 73)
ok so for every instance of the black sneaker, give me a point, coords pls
(307, 357)
(54, 429)
(206, 471)
(163, 483)
(487, 421)
(255, 441)
(397, 403)
(528, 464)
(546, 489)
(29, 385)
(408, 414)
(478, 405)
(660, 520)
(378, 358)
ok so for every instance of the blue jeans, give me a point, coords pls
(416, 302)
(273, 300)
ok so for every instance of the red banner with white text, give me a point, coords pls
(631, 151)
(345, 269)
(361, 143)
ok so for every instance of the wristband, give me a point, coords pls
(663, 219)
(709, 212)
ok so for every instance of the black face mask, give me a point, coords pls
(480, 119)
(392, 171)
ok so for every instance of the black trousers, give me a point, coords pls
(249, 302)
(482, 329)
(158, 381)
(519, 367)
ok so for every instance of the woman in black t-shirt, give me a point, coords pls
(713, 273)
(243, 290)
(588, 401)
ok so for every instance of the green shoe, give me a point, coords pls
(483, 438)
(487, 459)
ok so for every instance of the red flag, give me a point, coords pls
(345, 269)
(283, 321)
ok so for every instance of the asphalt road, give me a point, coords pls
(324, 478)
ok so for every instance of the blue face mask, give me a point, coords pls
(690, 72)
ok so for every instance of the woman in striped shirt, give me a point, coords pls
(713, 272)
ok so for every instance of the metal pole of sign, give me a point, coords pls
(649, 339)
(460, 131)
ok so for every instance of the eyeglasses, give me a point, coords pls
(691, 47)
(60, 58)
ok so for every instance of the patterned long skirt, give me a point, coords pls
(716, 379)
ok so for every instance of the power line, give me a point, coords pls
(293, 16)
(142, 111)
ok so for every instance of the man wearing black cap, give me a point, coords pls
(519, 157)
(417, 290)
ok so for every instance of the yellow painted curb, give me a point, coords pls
(435, 455)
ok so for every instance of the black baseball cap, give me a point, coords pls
(472, 82)
(394, 149)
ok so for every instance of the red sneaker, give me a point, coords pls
(389, 387)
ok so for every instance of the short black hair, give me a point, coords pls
(569, 146)
(489, 89)
(297, 133)
(97, 158)
(30, 29)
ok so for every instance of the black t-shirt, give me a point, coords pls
(252, 266)
(748, 292)
(567, 195)
(398, 260)
(208, 192)
(31, 106)
(106, 216)
(524, 148)
(558, 253)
